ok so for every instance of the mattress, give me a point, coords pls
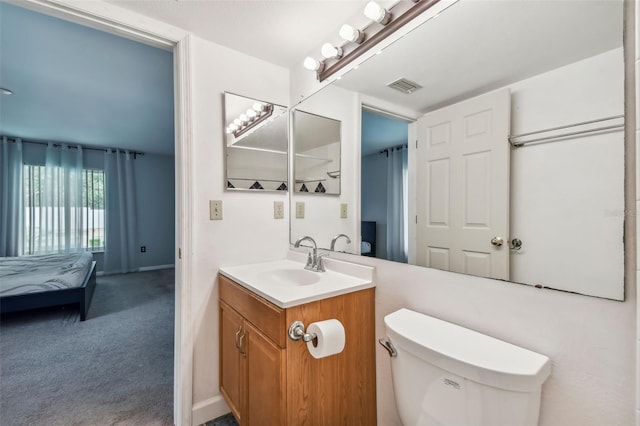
(47, 272)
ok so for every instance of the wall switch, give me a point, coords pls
(143, 249)
(278, 209)
(344, 207)
(299, 210)
(215, 209)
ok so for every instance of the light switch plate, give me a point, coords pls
(344, 208)
(215, 209)
(299, 210)
(278, 209)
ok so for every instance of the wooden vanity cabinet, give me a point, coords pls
(269, 380)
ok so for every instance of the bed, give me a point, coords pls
(39, 281)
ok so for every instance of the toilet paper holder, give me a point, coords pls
(296, 332)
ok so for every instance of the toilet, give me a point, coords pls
(444, 374)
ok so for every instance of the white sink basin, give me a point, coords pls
(293, 277)
(286, 283)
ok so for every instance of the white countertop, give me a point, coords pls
(286, 283)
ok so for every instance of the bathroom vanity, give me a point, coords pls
(269, 379)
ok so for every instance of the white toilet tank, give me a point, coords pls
(445, 374)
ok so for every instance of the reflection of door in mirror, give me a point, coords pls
(462, 187)
(256, 144)
(383, 182)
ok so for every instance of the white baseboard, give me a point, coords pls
(141, 269)
(208, 409)
(156, 267)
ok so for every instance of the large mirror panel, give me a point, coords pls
(256, 144)
(506, 158)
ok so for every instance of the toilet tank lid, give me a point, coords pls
(467, 353)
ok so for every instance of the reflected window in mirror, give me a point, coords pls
(256, 135)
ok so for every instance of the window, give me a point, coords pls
(53, 220)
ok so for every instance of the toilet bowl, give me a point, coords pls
(444, 374)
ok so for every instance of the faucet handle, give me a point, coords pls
(310, 261)
(319, 267)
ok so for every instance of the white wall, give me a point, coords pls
(322, 212)
(580, 222)
(155, 192)
(248, 232)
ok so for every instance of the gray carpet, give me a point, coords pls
(226, 420)
(115, 368)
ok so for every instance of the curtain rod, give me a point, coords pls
(398, 147)
(72, 146)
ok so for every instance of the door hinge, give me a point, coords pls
(416, 219)
(179, 253)
(416, 143)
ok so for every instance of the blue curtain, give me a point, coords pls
(397, 204)
(11, 201)
(120, 213)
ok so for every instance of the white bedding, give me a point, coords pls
(33, 274)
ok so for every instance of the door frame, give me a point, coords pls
(115, 20)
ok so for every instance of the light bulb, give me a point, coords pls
(348, 33)
(258, 107)
(244, 118)
(312, 64)
(233, 127)
(377, 13)
(251, 113)
(228, 130)
(330, 51)
(237, 122)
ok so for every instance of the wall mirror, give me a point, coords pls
(316, 147)
(498, 152)
(256, 135)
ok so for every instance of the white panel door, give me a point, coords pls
(462, 186)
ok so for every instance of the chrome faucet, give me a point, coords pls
(333, 241)
(314, 262)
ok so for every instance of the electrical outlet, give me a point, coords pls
(215, 210)
(143, 249)
(344, 207)
(278, 209)
(299, 210)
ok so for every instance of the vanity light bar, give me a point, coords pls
(389, 22)
(251, 119)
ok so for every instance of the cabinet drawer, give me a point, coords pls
(265, 316)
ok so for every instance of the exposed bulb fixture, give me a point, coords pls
(237, 122)
(251, 113)
(233, 127)
(349, 33)
(377, 13)
(330, 51)
(244, 118)
(258, 107)
(312, 64)
(5, 91)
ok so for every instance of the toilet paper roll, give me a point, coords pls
(330, 338)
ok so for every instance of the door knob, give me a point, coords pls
(497, 241)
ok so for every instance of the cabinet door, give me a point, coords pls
(266, 376)
(232, 377)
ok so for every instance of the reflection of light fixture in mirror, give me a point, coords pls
(377, 13)
(330, 51)
(393, 19)
(349, 33)
(246, 122)
(5, 91)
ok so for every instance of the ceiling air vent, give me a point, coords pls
(405, 86)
